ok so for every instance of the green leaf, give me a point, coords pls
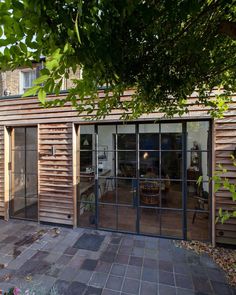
(41, 79)
(32, 91)
(42, 95)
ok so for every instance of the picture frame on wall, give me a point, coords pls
(102, 152)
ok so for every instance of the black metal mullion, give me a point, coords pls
(136, 183)
(116, 167)
(96, 178)
(25, 172)
(184, 181)
(160, 159)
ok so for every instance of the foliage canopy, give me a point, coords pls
(163, 49)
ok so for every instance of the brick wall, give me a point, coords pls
(10, 80)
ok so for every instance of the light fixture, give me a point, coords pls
(86, 143)
(145, 155)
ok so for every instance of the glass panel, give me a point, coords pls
(31, 185)
(171, 194)
(106, 163)
(107, 216)
(171, 128)
(86, 142)
(106, 137)
(126, 191)
(171, 223)
(107, 189)
(87, 188)
(150, 221)
(18, 139)
(24, 180)
(198, 135)
(171, 165)
(87, 129)
(18, 185)
(31, 162)
(126, 141)
(149, 128)
(198, 196)
(198, 226)
(18, 207)
(126, 128)
(31, 138)
(86, 214)
(31, 207)
(126, 164)
(18, 161)
(149, 164)
(171, 141)
(150, 192)
(87, 162)
(149, 141)
(198, 165)
(127, 218)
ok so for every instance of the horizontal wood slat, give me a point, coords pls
(55, 173)
(225, 143)
(2, 203)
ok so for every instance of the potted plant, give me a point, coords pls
(88, 205)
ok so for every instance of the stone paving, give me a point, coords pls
(83, 262)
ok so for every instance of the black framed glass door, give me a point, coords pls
(144, 178)
(24, 173)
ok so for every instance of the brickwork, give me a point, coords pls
(10, 81)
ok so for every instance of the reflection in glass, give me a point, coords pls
(150, 221)
(171, 165)
(171, 127)
(86, 187)
(31, 138)
(86, 214)
(126, 191)
(171, 223)
(107, 216)
(198, 165)
(149, 164)
(198, 225)
(18, 138)
(18, 161)
(171, 195)
(198, 196)
(171, 141)
(126, 141)
(86, 162)
(106, 137)
(124, 223)
(126, 164)
(198, 135)
(149, 141)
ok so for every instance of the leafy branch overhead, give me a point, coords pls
(163, 49)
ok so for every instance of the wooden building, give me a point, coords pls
(139, 177)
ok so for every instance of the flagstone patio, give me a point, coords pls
(83, 262)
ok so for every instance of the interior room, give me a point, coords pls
(144, 178)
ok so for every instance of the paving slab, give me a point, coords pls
(85, 262)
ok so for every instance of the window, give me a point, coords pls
(26, 79)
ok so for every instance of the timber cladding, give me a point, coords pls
(225, 144)
(55, 139)
(2, 203)
(55, 173)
